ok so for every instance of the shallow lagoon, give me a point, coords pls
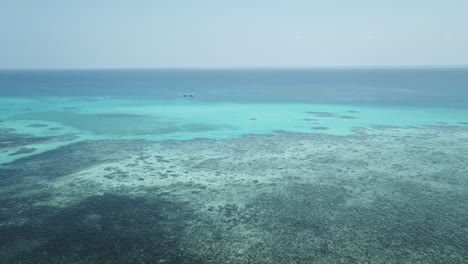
(92, 118)
(88, 179)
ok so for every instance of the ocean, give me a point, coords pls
(333, 165)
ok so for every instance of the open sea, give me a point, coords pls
(335, 165)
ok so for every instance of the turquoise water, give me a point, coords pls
(260, 166)
(93, 118)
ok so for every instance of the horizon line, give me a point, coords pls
(243, 68)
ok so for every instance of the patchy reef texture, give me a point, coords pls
(380, 195)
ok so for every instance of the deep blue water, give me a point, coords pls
(398, 86)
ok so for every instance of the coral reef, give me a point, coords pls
(385, 194)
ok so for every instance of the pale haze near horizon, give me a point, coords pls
(256, 33)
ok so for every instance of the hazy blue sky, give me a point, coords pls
(238, 33)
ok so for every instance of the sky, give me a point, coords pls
(242, 33)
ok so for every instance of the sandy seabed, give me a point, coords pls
(385, 194)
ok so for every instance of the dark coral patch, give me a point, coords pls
(71, 158)
(23, 151)
(322, 114)
(384, 127)
(37, 125)
(320, 128)
(347, 117)
(10, 139)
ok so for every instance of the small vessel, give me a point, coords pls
(190, 94)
